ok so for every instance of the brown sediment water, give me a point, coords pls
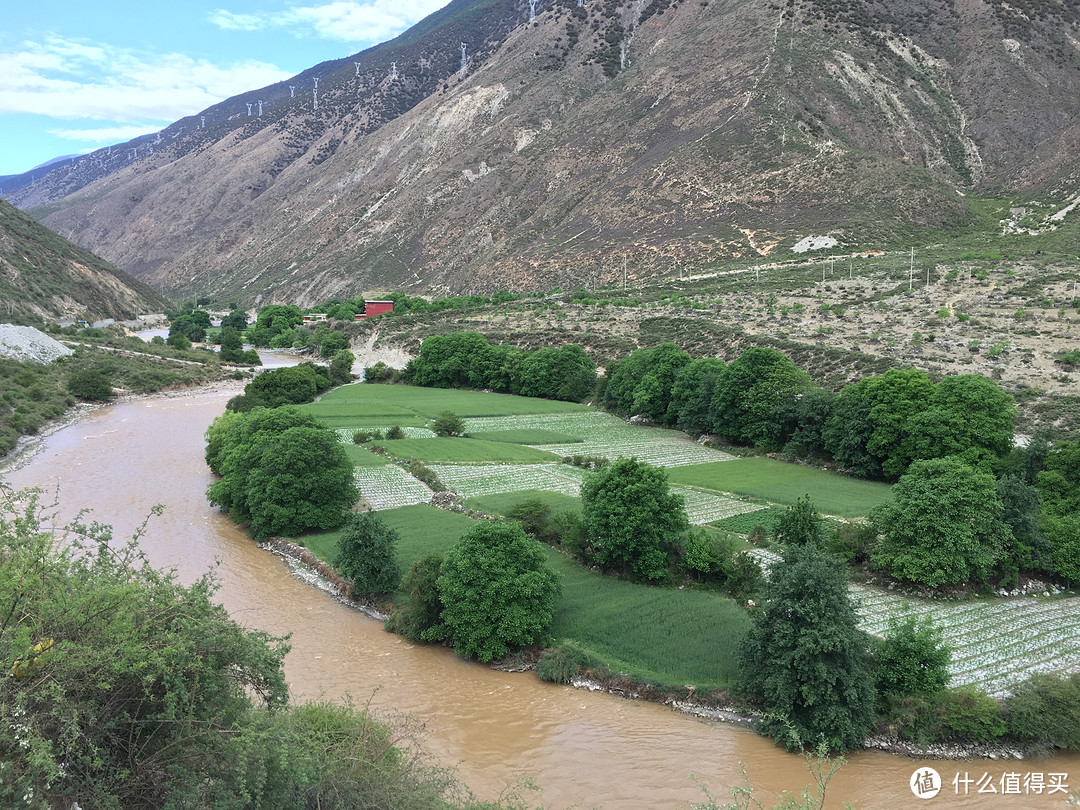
(582, 749)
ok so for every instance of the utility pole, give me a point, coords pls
(624, 272)
(911, 270)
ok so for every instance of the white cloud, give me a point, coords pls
(106, 135)
(343, 20)
(72, 79)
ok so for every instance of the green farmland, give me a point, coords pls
(656, 635)
(456, 450)
(366, 405)
(784, 483)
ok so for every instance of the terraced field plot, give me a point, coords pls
(605, 435)
(997, 643)
(389, 486)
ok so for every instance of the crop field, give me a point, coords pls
(389, 486)
(456, 450)
(474, 481)
(536, 436)
(503, 502)
(785, 483)
(360, 405)
(602, 434)
(996, 643)
(362, 457)
(656, 634)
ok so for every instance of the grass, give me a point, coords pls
(745, 523)
(505, 501)
(362, 457)
(781, 482)
(526, 436)
(363, 404)
(456, 450)
(655, 635)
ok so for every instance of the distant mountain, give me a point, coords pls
(44, 277)
(655, 133)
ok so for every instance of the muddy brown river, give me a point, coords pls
(582, 749)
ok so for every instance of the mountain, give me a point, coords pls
(601, 139)
(44, 277)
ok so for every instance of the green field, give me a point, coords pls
(505, 501)
(657, 635)
(781, 482)
(456, 450)
(360, 405)
(526, 436)
(362, 457)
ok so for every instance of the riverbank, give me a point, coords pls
(716, 707)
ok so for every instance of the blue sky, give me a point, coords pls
(76, 76)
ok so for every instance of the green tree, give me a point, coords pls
(179, 341)
(341, 366)
(1044, 712)
(567, 373)
(690, 407)
(459, 360)
(497, 591)
(448, 423)
(804, 660)
(757, 386)
(292, 385)
(417, 612)
(282, 472)
(332, 343)
(912, 660)
(367, 554)
(800, 524)
(642, 383)
(943, 525)
(232, 345)
(869, 421)
(634, 522)
(1059, 487)
(237, 319)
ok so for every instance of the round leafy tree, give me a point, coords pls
(497, 591)
(804, 659)
(366, 554)
(943, 525)
(448, 423)
(282, 472)
(633, 521)
(90, 383)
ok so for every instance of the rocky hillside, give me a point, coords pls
(601, 139)
(44, 277)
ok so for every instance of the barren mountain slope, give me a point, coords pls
(655, 135)
(44, 277)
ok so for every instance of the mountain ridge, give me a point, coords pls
(657, 135)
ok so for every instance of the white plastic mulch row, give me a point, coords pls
(473, 481)
(605, 435)
(345, 434)
(706, 507)
(389, 487)
(996, 644)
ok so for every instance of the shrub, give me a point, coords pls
(91, 384)
(959, 715)
(360, 436)
(1044, 711)
(560, 664)
(535, 518)
(366, 554)
(423, 473)
(417, 615)
(912, 660)
(394, 432)
(800, 524)
(447, 423)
